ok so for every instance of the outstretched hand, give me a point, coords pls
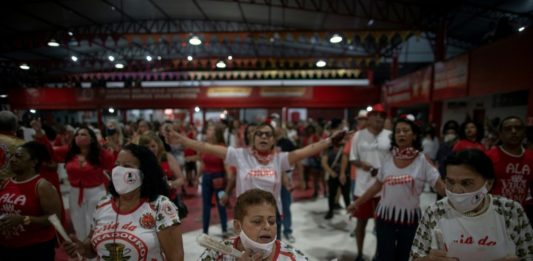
(173, 137)
(337, 137)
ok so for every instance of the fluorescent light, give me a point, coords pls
(3, 95)
(221, 65)
(197, 109)
(111, 110)
(522, 28)
(111, 58)
(149, 58)
(33, 111)
(24, 66)
(369, 108)
(230, 57)
(335, 39)
(320, 63)
(53, 43)
(189, 58)
(119, 66)
(74, 58)
(195, 40)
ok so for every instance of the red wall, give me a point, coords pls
(504, 66)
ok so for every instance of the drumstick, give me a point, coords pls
(59, 228)
(211, 243)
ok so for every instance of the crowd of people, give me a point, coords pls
(127, 182)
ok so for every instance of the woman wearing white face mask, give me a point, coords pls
(255, 223)
(136, 221)
(470, 224)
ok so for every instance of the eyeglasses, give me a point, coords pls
(268, 134)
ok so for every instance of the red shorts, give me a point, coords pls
(366, 210)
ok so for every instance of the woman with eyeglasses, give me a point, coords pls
(259, 165)
(470, 223)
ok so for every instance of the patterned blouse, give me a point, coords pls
(503, 230)
(283, 252)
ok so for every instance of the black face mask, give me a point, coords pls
(110, 132)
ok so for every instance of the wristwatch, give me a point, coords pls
(26, 220)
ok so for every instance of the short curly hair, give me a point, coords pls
(252, 197)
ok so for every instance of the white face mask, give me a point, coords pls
(126, 180)
(467, 201)
(265, 248)
(449, 137)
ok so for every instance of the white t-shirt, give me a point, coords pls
(431, 147)
(133, 235)
(252, 174)
(286, 252)
(503, 230)
(372, 149)
(400, 195)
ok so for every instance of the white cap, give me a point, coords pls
(362, 114)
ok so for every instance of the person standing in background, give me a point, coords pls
(88, 167)
(8, 141)
(470, 135)
(285, 144)
(369, 149)
(513, 164)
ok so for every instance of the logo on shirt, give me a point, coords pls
(117, 252)
(262, 172)
(516, 169)
(398, 180)
(147, 221)
(514, 188)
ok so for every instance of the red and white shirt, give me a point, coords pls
(252, 174)
(514, 174)
(400, 195)
(21, 198)
(132, 235)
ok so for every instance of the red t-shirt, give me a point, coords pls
(21, 198)
(467, 144)
(188, 151)
(212, 164)
(513, 174)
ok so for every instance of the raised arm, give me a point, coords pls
(314, 148)
(173, 137)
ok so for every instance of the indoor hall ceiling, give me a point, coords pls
(258, 34)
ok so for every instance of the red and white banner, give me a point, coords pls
(451, 78)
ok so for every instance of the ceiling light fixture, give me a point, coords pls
(320, 63)
(74, 58)
(70, 33)
(111, 110)
(230, 57)
(149, 58)
(33, 111)
(522, 28)
(335, 39)
(159, 58)
(24, 66)
(119, 66)
(370, 22)
(195, 40)
(53, 43)
(3, 95)
(197, 109)
(221, 65)
(368, 108)
(111, 58)
(189, 58)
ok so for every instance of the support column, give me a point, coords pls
(440, 42)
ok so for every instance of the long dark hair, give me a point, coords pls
(37, 152)
(153, 182)
(94, 147)
(417, 141)
(480, 132)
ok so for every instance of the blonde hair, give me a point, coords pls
(150, 136)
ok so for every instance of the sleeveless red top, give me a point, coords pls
(21, 198)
